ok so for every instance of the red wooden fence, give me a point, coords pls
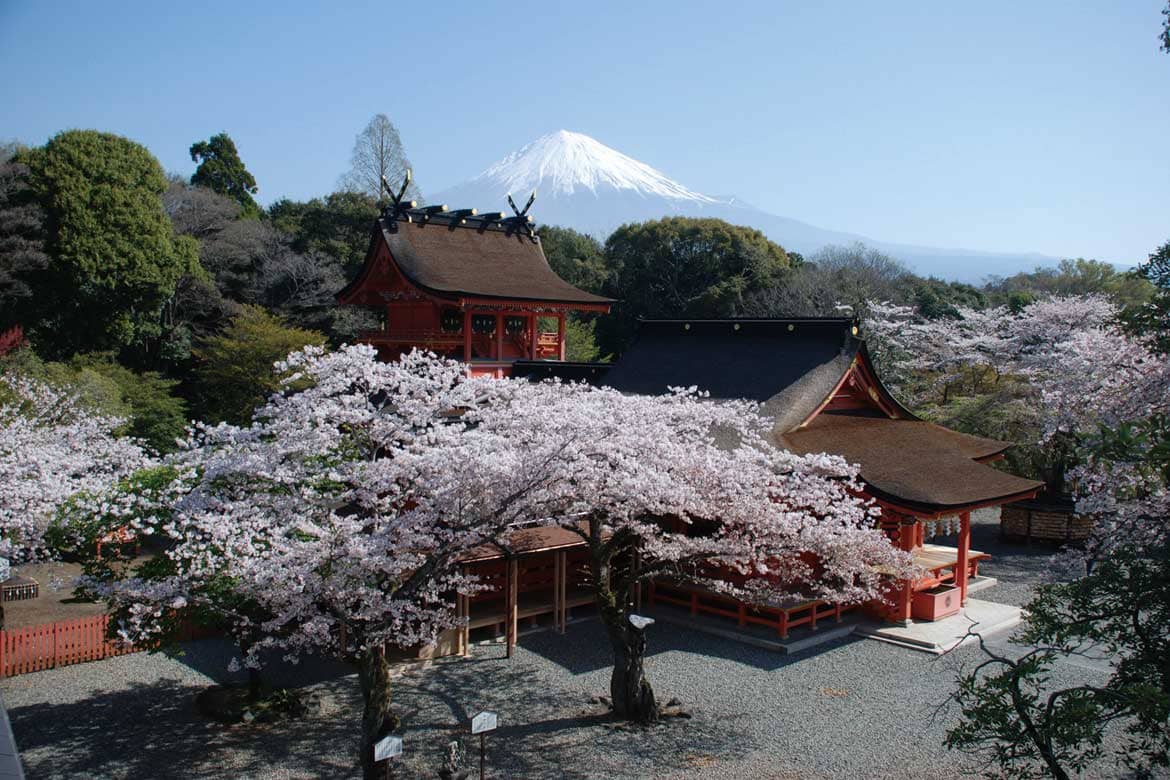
(34, 648)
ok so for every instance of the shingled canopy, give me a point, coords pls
(914, 463)
(456, 257)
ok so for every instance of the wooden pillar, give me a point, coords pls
(964, 550)
(558, 566)
(533, 334)
(511, 631)
(467, 336)
(564, 585)
(561, 334)
(907, 535)
(499, 337)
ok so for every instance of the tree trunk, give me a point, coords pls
(375, 682)
(630, 691)
(254, 684)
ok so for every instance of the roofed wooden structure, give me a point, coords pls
(815, 377)
(473, 287)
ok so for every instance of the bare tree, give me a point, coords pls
(833, 277)
(378, 152)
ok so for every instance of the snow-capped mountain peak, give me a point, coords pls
(564, 163)
(585, 185)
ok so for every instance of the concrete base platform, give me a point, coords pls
(799, 639)
(976, 584)
(939, 636)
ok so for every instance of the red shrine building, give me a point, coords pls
(479, 289)
(472, 287)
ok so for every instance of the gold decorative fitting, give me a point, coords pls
(687, 326)
(737, 326)
(791, 327)
(854, 330)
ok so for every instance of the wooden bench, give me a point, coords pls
(782, 615)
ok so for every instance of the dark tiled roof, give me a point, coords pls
(477, 260)
(537, 370)
(913, 461)
(792, 364)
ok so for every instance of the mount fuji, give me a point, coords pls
(583, 184)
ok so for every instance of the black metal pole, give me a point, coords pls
(482, 753)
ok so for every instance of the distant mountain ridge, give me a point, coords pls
(583, 184)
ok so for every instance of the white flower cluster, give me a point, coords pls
(343, 510)
(51, 450)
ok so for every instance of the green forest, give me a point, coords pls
(162, 298)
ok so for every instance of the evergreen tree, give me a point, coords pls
(684, 267)
(577, 258)
(115, 260)
(221, 170)
(22, 241)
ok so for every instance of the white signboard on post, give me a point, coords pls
(387, 747)
(484, 722)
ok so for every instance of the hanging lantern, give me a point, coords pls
(514, 326)
(451, 321)
(483, 324)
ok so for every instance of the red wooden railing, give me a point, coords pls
(34, 648)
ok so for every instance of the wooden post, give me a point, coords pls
(499, 337)
(534, 334)
(907, 535)
(563, 591)
(510, 631)
(964, 550)
(561, 334)
(467, 336)
(558, 572)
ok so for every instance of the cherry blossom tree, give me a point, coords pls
(681, 487)
(341, 513)
(52, 449)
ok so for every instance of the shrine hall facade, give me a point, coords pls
(480, 289)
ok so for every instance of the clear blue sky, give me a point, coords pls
(1038, 126)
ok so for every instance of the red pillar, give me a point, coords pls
(561, 333)
(467, 337)
(907, 536)
(499, 337)
(964, 549)
(532, 336)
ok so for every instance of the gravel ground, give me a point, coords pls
(853, 708)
